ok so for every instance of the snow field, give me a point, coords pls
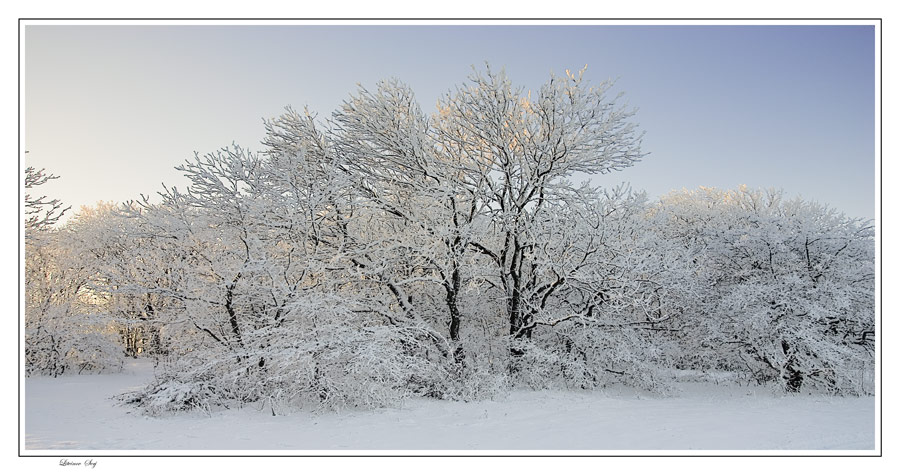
(78, 413)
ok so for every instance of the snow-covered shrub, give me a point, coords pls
(61, 342)
(584, 356)
(477, 382)
(323, 356)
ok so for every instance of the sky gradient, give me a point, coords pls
(113, 109)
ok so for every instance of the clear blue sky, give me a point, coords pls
(112, 109)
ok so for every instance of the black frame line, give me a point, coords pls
(880, 144)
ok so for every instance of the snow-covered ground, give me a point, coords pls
(77, 413)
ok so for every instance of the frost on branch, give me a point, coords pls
(40, 213)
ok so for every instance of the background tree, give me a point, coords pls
(790, 287)
(40, 213)
(65, 326)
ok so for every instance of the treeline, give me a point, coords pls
(384, 253)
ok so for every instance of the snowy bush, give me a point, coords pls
(53, 347)
(323, 356)
(584, 357)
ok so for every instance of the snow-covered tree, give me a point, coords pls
(621, 296)
(790, 286)
(67, 327)
(123, 259)
(422, 209)
(518, 155)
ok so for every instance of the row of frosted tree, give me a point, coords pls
(384, 253)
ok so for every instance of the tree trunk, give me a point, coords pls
(793, 378)
(452, 295)
(232, 314)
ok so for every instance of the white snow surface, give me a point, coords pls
(79, 413)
